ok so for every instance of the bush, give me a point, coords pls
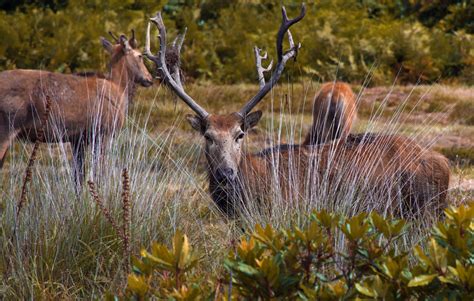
(344, 39)
(302, 263)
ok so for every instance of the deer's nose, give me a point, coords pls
(146, 82)
(225, 174)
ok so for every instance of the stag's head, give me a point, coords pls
(223, 136)
(223, 133)
(124, 54)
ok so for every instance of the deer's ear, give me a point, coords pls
(196, 123)
(125, 44)
(106, 44)
(251, 120)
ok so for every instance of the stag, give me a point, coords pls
(368, 161)
(83, 107)
(334, 112)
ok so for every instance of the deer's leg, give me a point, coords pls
(6, 138)
(100, 143)
(78, 155)
(4, 144)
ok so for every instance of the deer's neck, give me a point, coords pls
(120, 76)
(226, 197)
(229, 197)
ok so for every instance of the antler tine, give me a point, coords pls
(260, 68)
(133, 41)
(114, 37)
(285, 26)
(147, 52)
(282, 58)
(180, 40)
(173, 82)
(177, 45)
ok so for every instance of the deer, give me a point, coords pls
(334, 112)
(384, 167)
(83, 106)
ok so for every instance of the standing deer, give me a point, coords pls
(334, 111)
(82, 106)
(390, 167)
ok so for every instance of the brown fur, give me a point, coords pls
(334, 111)
(390, 168)
(82, 106)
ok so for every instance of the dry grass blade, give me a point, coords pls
(33, 156)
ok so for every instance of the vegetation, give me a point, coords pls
(62, 246)
(151, 182)
(464, 112)
(463, 156)
(410, 40)
(301, 263)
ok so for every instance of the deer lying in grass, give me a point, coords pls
(390, 167)
(82, 106)
(334, 111)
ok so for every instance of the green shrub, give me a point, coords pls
(348, 40)
(302, 263)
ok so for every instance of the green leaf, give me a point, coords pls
(380, 224)
(422, 280)
(370, 292)
(137, 284)
(241, 267)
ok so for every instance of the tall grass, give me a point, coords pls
(351, 191)
(65, 248)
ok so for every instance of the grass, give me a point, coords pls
(63, 246)
(463, 111)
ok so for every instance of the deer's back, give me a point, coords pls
(379, 165)
(334, 111)
(76, 100)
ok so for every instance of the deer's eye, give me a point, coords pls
(208, 138)
(239, 136)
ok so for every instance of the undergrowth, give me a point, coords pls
(61, 246)
(301, 263)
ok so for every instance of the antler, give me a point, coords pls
(260, 68)
(173, 81)
(116, 39)
(282, 59)
(177, 45)
(133, 41)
